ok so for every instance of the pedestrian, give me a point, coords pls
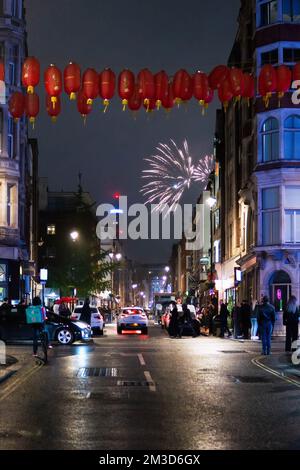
(185, 320)
(245, 314)
(224, 313)
(236, 317)
(64, 310)
(254, 324)
(291, 321)
(38, 327)
(173, 325)
(266, 321)
(86, 312)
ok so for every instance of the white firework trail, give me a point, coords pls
(171, 171)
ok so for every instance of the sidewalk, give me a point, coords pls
(17, 359)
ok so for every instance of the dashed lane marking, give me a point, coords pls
(141, 359)
(152, 386)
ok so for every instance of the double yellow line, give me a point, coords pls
(15, 383)
(268, 369)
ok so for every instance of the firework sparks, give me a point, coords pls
(171, 171)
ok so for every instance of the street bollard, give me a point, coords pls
(2, 353)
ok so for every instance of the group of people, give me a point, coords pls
(182, 318)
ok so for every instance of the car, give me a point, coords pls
(132, 319)
(97, 321)
(14, 328)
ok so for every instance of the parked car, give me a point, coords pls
(13, 328)
(132, 319)
(97, 321)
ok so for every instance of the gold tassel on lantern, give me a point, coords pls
(124, 103)
(53, 101)
(105, 104)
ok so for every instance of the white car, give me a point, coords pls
(132, 319)
(97, 322)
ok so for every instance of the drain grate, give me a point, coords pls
(233, 352)
(134, 383)
(84, 372)
(248, 379)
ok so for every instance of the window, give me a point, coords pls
(10, 137)
(269, 57)
(268, 13)
(9, 215)
(2, 272)
(291, 10)
(291, 55)
(11, 73)
(270, 140)
(292, 138)
(270, 216)
(51, 252)
(15, 8)
(292, 214)
(51, 229)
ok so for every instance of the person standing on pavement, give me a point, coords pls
(254, 324)
(245, 319)
(224, 313)
(5, 309)
(236, 321)
(86, 312)
(291, 321)
(173, 325)
(266, 320)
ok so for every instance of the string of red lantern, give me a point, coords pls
(151, 91)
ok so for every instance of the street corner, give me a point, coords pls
(280, 364)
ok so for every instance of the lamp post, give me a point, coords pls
(113, 256)
(133, 287)
(211, 201)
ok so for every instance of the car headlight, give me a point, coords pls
(86, 333)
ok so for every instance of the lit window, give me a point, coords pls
(292, 138)
(292, 214)
(291, 10)
(270, 140)
(51, 230)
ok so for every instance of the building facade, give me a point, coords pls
(258, 151)
(18, 164)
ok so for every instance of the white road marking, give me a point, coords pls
(152, 386)
(141, 359)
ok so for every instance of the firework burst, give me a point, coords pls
(170, 172)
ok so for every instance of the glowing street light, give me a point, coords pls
(167, 269)
(74, 235)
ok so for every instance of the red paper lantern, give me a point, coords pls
(53, 83)
(30, 74)
(249, 89)
(135, 101)
(107, 85)
(168, 99)
(161, 81)
(84, 108)
(72, 80)
(284, 78)
(217, 76)
(146, 85)
(267, 82)
(225, 93)
(126, 86)
(182, 86)
(16, 105)
(296, 71)
(53, 112)
(32, 107)
(208, 99)
(201, 87)
(237, 82)
(90, 85)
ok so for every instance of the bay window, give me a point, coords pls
(291, 10)
(292, 214)
(270, 216)
(268, 12)
(270, 140)
(292, 138)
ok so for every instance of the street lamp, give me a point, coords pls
(74, 235)
(167, 269)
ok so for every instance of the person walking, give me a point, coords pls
(254, 324)
(173, 325)
(37, 328)
(224, 313)
(266, 321)
(86, 312)
(245, 319)
(291, 321)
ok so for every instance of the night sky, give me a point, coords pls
(109, 151)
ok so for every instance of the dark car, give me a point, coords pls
(13, 328)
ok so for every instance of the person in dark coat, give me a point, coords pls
(173, 325)
(236, 317)
(245, 314)
(64, 310)
(224, 313)
(291, 321)
(186, 320)
(266, 320)
(86, 312)
(5, 309)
